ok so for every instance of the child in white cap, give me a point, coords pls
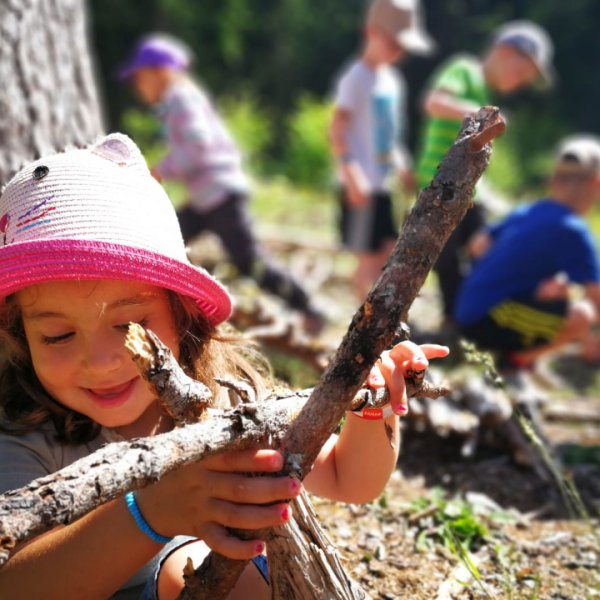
(89, 242)
(366, 134)
(516, 300)
(205, 158)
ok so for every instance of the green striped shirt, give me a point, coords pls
(461, 76)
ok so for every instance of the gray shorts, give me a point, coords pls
(367, 228)
(150, 591)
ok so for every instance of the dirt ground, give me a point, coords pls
(535, 538)
(538, 545)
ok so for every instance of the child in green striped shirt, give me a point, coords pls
(520, 55)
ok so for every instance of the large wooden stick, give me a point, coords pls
(438, 210)
(117, 468)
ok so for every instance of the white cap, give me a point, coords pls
(403, 20)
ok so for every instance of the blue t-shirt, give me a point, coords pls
(534, 243)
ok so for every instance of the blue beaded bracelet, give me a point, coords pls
(142, 524)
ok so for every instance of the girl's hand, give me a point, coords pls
(204, 498)
(396, 364)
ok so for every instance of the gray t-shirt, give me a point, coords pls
(37, 454)
(375, 99)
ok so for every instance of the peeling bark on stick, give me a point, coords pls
(117, 468)
(438, 210)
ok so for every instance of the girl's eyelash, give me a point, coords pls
(55, 339)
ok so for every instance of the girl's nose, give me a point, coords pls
(103, 354)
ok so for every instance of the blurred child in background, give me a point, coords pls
(203, 155)
(516, 299)
(520, 55)
(367, 125)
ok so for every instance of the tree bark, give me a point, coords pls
(48, 96)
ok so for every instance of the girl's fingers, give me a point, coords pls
(249, 516)
(394, 380)
(415, 356)
(220, 540)
(435, 350)
(252, 490)
(262, 461)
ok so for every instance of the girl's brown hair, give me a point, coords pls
(204, 353)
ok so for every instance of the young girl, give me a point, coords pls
(89, 243)
(205, 158)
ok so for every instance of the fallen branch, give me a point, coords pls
(438, 210)
(115, 469)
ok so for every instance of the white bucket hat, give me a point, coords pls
(97, 213)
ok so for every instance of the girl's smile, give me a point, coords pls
(110, 397)
(76, 331)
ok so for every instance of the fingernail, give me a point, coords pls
(295, 486)
(420, 360)
(277, 461)
(286, 513)
(259, 548)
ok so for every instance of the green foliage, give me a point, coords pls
(144, 128)
(452, 522)
(269, 53)
(522, 157)
(251, 128)
(308, 159)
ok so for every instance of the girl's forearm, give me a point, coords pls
(90, 558)
(355, 466)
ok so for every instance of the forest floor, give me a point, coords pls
(450, 528)
(524, 537)
(528, 538)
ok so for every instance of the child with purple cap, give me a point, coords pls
(89, 243)
(205, 158)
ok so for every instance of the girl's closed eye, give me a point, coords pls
(56, 339)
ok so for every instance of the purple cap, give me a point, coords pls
(157, 50)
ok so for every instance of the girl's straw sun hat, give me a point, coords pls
(97, 213)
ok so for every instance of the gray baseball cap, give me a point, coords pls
(403, 20)
(533, 41)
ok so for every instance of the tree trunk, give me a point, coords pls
(48, 96)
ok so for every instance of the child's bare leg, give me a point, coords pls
(369, 268)
(576, 328)
(170, 581)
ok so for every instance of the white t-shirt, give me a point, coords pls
(375, 98)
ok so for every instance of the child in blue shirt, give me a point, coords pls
(516, 298)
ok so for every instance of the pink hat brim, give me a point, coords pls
(27, 263)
